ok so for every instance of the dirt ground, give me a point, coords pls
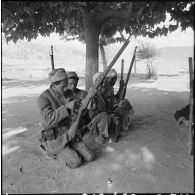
(151, 157)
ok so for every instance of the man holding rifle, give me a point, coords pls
(114, 101)
(99, 118)
(98, 112)
(58, 132)
(117, 104)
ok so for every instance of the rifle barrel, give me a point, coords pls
(52, 59)
(113, 61)
(74, 127)
(122, 68)
(130, 68)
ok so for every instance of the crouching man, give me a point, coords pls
(114, 102)
(57, 136)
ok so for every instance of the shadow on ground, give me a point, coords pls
(150, 157)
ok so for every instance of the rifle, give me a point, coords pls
(73, 130)
(121, 84)
(123, 90)
(122, 68)
(52, 59)
(122, 97)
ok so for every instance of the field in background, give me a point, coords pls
(29, 60)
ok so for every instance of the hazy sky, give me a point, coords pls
(174, 39)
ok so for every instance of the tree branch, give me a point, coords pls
(83, 4)
(139, 12)
(111, 13)
(80, 6)
(151, 8)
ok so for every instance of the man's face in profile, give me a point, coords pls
(72, 84)
(112, 80)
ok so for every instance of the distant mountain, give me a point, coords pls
(172, 60)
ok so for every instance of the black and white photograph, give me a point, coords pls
(97, 97)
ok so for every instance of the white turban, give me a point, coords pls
(57, 75)
(112, 73)
(96, 76)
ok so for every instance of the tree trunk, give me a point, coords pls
(92, 40)
(103, 56)
(92, 47)
(92, 30)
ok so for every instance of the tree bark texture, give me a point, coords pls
(92, 25)
(92, 47)
(92, 30)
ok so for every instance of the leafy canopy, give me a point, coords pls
(28, 19)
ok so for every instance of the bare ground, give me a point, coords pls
(151, 157)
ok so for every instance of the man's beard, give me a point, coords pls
(112, 84)
(73, 90)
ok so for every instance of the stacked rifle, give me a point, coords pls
(122, 93)
(95, 86)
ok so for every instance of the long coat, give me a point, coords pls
(53, 113)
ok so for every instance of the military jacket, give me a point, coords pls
(52, 109)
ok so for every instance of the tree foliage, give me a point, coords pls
(92, 22)
(28, 19)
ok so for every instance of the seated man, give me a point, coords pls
(113, 101)
(72, 86)
(93, 127)
(97, 112)
(58, 136)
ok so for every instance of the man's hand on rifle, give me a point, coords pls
(122, 83)
(92, 92)
(115, 119)
(70, 105)
(121, 104)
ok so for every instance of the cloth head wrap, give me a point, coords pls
(96, 76)
(112, 73)
(57, 75)
(72, 75)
